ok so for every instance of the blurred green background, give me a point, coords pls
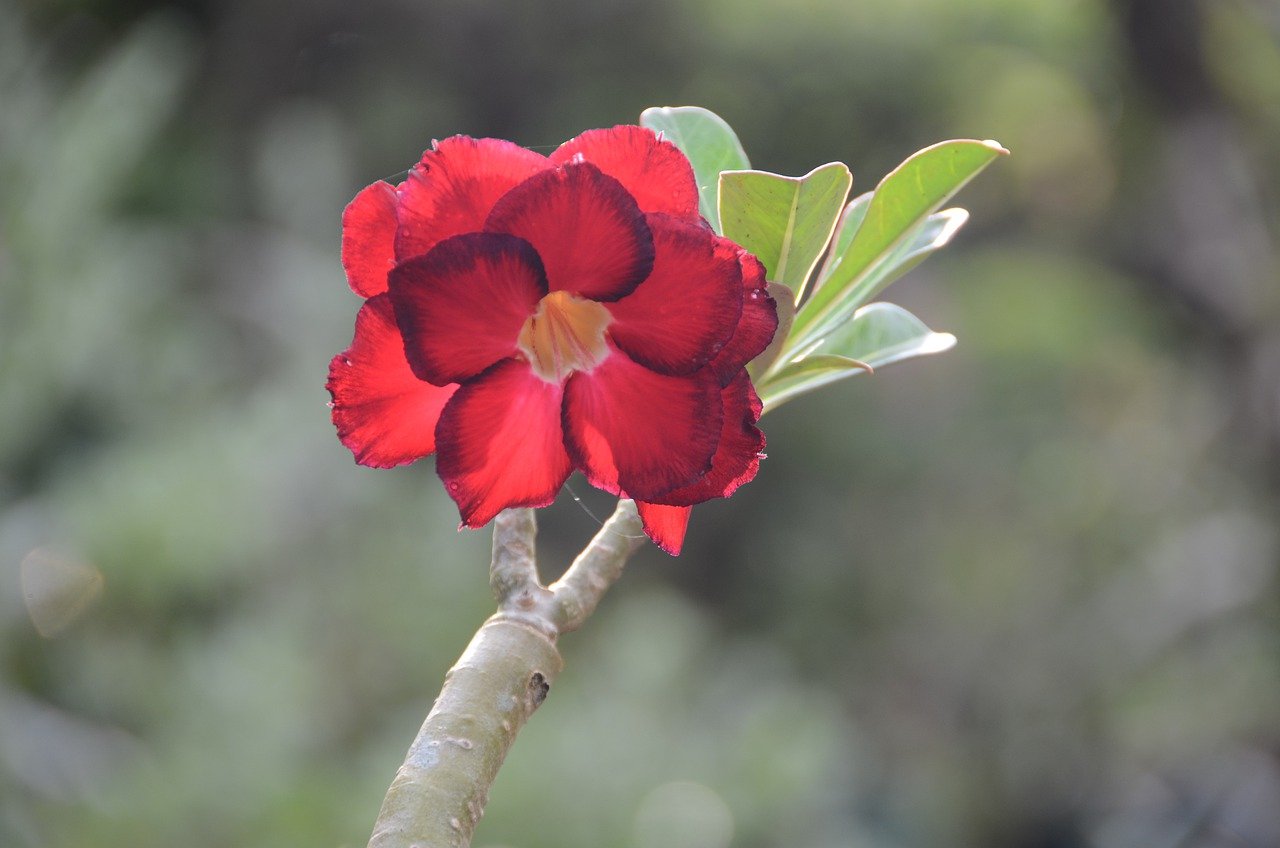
(1021, 595)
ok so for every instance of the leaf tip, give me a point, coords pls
(937, 343)
(996, 146)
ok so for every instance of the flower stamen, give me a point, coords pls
(565, 334)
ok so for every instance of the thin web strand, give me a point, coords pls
(582, 504)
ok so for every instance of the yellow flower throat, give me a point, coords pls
(565, 334)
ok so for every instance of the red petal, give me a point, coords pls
(665, 525)
(737, 457)
(686, 309)
(368, 238)
(654, 171)
(631, 429)
(384, 414)
(454, 187)
(461, 306)
(758, 323)
(501, 443)
(589, 232)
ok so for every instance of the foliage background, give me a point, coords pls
(1020, 595)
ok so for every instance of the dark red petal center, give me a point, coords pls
(589, 232)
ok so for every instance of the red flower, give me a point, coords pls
(531, 315)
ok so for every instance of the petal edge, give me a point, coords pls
(665, 525)
(591, 236)
(454, 186)
(686, 310)
(461, 306)
(499, 443)
(368, 238)
(384, 414)
(634, 430)
(652, 169)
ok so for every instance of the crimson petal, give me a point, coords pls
(665, 525)
(588, 230)
(737, 457)
(384, 414)
(500, 443)
(368, 238)
(687, 308)
(653, 170)
(454, 187)
(462, 305)
(758, 323)
(631, 429)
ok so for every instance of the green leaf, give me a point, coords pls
(934, 233)
(805, 376)
(884, 333)
(709, 142)
(878, 334)
(785, 221)
(786, 301)
(898, 211)
(850, 220)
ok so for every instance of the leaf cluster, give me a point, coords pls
(827, 256)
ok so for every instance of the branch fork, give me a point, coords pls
(505, 673)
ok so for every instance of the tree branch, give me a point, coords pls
(580, 589)
(439, 792)
(513, 574)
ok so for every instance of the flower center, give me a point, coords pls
(564, 335)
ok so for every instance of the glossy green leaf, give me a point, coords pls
(898, 212)
(786, 301)
(709, 142)
(883, 333)
(785, 221)
(805, 376)
(934, 233)
(878, 334)
(850, 220)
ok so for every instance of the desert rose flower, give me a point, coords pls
(530, 315)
